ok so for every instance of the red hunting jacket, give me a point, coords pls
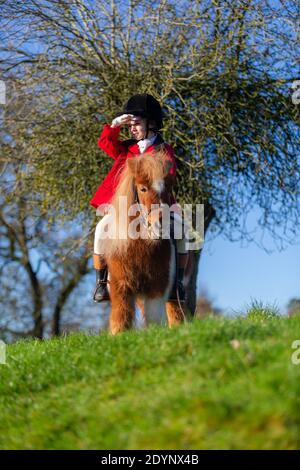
(120, 151)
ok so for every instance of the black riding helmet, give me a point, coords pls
(145, 106)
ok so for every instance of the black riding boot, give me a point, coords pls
(179, 287)
(101, 292)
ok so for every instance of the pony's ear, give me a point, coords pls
(167, 166)
(132, 165)
(165, 157)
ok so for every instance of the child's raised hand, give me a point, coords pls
(122, 120)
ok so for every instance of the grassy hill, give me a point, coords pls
(217, 383)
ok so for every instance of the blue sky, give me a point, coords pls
(233, 275)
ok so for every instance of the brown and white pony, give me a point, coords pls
(141, 270)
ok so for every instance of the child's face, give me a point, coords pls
(138, 128)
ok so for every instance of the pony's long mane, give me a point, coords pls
(149, 166)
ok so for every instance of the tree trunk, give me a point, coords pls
(193, 265)
(37, 314)
(191, 281)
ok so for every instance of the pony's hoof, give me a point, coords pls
(116, 328)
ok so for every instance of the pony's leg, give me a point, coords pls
(122, 309)
(155, 311)
(174, 314)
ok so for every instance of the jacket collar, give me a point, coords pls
(134, 148)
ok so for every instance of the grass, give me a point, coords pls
(218, 383)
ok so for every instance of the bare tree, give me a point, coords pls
(38, 273)
(293, 307)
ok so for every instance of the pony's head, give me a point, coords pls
(151, 178)
(145, 180)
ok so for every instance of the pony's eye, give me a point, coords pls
(143, 189)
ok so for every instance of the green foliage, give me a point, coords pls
(219, 383)
(257, 311)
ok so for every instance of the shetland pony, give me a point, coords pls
(141, 269)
